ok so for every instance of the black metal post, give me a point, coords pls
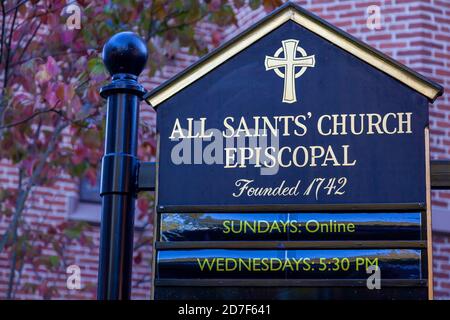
(124, 55)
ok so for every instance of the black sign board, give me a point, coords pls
(293, 163)
(176, 227)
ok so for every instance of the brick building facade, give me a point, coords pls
(414, 32)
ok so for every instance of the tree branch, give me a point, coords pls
(16, 6)
(8, 52)
(25, 47)
(2, 35)
(23, 196)
(40, 112)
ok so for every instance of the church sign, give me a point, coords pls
(293, 163)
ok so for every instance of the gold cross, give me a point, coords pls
(289, 63)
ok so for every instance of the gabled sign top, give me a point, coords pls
(301, 60)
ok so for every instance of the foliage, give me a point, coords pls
(51, 116)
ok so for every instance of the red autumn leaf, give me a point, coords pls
(143, 204)
(28, 165)
(79, 155)
(60, 91)
(215, 5)
(51, 96)
(75, 106)
(62, 226)
(91, 175)
(93, 96)
(51, 230)
(138, 258)
(47, 70)
(270, 5)
(67, 36)
(216, 38)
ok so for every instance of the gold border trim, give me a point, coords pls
(362, 53)
(219, 58)
(429, 224)
(312, 25)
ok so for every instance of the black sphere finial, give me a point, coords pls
(125, 52)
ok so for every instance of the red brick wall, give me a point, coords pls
(416, 33)
(441, 265)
